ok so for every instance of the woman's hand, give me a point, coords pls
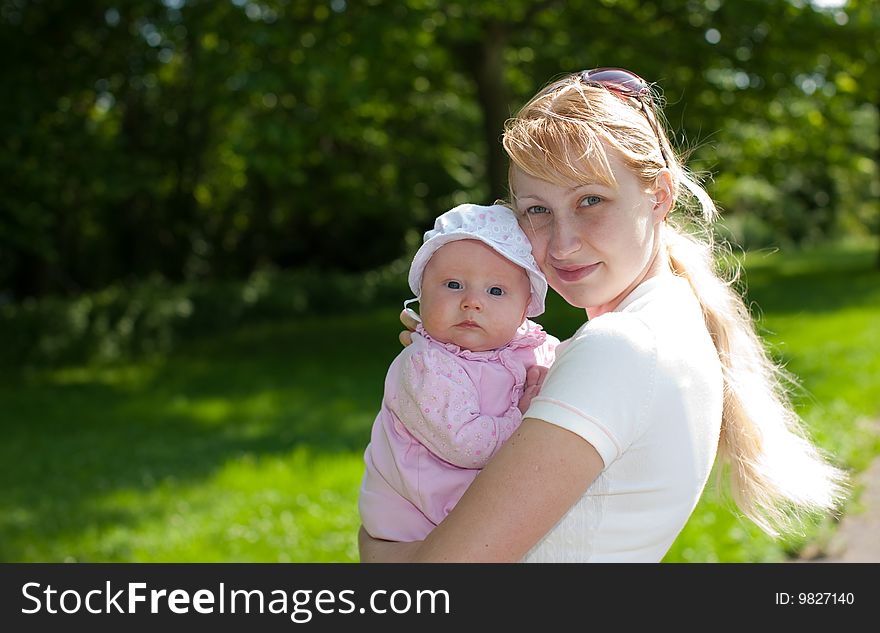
(410, 324)
(534, 379)
(375, 551)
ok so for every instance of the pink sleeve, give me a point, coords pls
(440, 405)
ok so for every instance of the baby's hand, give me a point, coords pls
(534, 379)
(410, 324)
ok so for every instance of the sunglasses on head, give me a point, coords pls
(627, 84)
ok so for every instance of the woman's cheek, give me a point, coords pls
(539, 246)
(602, 231)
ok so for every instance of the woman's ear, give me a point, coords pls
(664, 196)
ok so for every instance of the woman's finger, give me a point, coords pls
(405, 338)
(408, 321)
(535, 375)
(542, 374)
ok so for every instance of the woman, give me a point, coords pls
(614, 452)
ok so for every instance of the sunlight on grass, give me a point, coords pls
(248, 446)
(293, 508)
(238, 451)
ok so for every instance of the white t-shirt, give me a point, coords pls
(643, 385)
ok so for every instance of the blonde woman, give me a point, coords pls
(666, 375)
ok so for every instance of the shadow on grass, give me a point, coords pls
(815, 292)
(813, 283)
(75, 436)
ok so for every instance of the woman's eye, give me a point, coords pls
(453, 285)
(496, 291)
(537, 209)
(589, 201)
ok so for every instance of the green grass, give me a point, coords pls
(242, 448)
(248, 446)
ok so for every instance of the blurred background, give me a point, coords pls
(209, 208)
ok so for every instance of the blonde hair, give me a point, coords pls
(777, 475)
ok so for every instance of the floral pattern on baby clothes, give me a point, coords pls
(444, 393)
(440, 411)
(445, 413)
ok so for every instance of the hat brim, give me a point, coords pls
(537, 282)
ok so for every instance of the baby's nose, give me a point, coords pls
(471, 302)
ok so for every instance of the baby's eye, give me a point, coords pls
(496, 291)
(454, 285)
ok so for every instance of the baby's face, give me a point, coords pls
(472, 296)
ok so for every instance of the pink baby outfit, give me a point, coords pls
(445, 412)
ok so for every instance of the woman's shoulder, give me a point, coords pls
(664, 302)
(615, 326)
(613, 337)
(664, 328)
(658, 309)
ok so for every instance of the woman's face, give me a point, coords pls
(594, 242)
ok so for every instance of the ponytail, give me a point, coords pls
(777, 475)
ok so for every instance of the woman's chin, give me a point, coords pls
(574, 298)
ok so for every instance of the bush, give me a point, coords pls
(122, 322)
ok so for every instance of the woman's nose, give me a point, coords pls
(564, 240)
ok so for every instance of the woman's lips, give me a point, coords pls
(574, 273)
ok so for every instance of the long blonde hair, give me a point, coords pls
(777, 475)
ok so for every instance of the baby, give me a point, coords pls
(456, 394)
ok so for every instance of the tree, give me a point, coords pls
(195, 139)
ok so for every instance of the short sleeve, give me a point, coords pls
(601, 384)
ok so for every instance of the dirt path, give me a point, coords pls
(857, 538)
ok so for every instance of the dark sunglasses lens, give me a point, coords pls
(616, 77)
(624, 82)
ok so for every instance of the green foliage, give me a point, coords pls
(154, 316)
(205, 140)
(248, 445)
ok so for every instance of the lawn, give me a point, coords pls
(248, 446)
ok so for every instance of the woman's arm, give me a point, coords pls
(374, 550)
(539, 473)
